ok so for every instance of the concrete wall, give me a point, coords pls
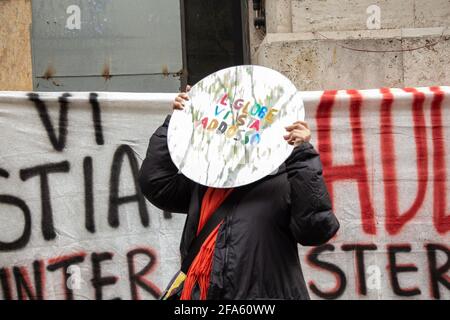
(312, 15)
(15, 49)
(331, 44)
(315, 63)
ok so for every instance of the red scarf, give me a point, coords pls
(200, 269)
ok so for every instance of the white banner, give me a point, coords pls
(74, 226)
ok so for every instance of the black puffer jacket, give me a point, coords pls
(256, 254)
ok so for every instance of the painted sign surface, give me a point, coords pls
(231, 131)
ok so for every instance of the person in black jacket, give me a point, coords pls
(256, 253)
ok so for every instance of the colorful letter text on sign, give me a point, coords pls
(231, 131)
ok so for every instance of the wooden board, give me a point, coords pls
(230, 132)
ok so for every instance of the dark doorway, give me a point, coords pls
(215, 34)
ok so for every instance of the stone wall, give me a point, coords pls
(333, 44)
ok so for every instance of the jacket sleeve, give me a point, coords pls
(159, 179)
(312, 220)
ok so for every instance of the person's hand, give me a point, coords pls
(178, 103)
(297, 133)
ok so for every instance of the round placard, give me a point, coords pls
(230, 132)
